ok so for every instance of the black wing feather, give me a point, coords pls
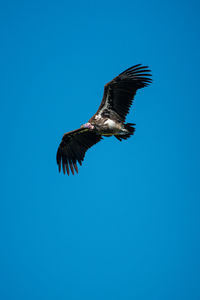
(73, 147)
(119, 93)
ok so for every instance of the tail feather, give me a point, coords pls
(131, 130)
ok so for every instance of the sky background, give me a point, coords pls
(127, 227)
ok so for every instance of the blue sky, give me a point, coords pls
(127, 227)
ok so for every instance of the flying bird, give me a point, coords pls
(109, 120)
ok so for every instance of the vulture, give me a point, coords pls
(109, 120)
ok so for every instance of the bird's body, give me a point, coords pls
(107, 126)
(109, 120)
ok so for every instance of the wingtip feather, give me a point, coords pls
(63, 166)
(75, 167)
(71, 167)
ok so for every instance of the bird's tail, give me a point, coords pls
(130, 131)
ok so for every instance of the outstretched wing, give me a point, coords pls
(73, 146)
(119, 93)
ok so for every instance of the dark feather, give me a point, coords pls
(73, 147)
(119, 92)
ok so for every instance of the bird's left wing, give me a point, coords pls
(73, 147)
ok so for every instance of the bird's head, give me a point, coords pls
(87, 125)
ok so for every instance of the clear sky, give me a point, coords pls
(127, 227)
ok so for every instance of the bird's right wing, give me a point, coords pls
(119, 92)
(73, 147)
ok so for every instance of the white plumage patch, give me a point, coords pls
(111, 124)
(97, 117)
